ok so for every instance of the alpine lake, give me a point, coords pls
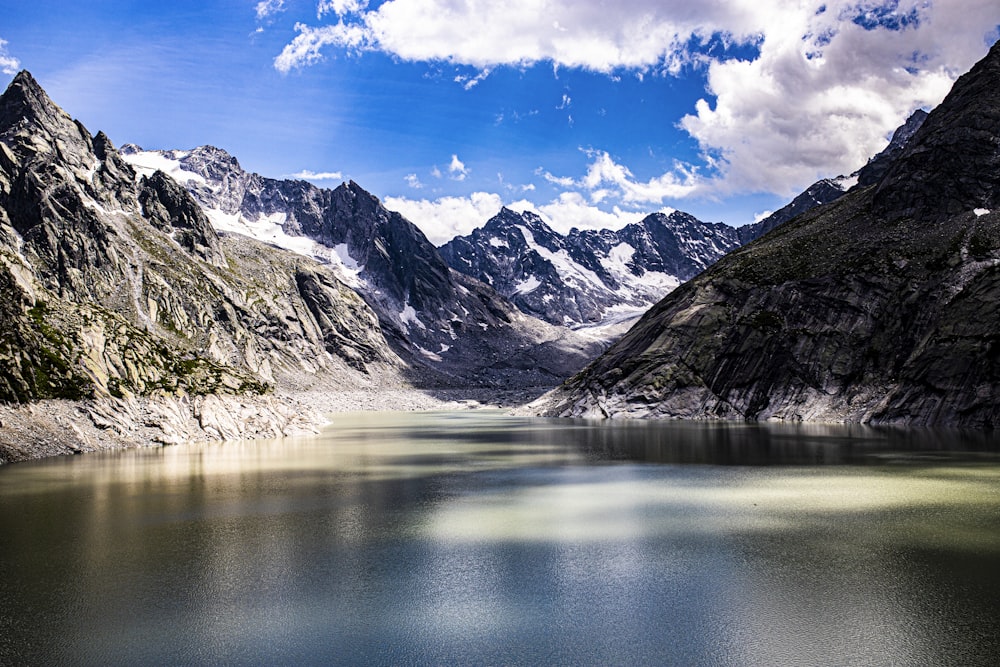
(478, 538)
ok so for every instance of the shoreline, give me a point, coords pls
(54, 427)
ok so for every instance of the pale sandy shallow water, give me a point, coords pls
(479, 538)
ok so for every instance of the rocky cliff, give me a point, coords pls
(451, 329)
(588, 277)
(118, 289)
(883, 306)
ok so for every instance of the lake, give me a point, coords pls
(477, 538)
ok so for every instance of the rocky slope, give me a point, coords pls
(830, 189)
(588, 277)
(450, 328)
(119, 292)
(883, 306)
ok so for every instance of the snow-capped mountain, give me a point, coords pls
(882, 307)
(435, 317)
(588, 277)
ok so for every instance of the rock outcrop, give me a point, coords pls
(882, 307)
(117, 287)
(451, 329)
(588, 277)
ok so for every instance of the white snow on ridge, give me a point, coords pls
(498, 243)
(268, 229)
(148, 162)
(981, 212)
(526, 286)
(572, 273)
(408, 316)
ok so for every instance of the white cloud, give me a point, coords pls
(413, 181)
(444, 218)
(566, 101)
(305, 49)
(571, 209)
(605, 177)
(307, 175)
(457, 169)
(8, 64)
(470, 82)
(340, 7)
(267, 8)
(829, 81)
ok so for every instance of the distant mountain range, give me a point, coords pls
(452, 328)
(882, 306)
(589, 278)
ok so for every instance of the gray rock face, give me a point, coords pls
(829, 190)
(817, 194)
(450, 328)
(590, 277)
(883, 306)
(587, 277)
(119, 288)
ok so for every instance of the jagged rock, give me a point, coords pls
(449, 329)
(592, 277)
(587, 277)
(883, 306)
(119, 287)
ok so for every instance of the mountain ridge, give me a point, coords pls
(880, 307)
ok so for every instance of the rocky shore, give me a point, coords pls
(63, 427)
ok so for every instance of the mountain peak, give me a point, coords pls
(952, 164)
(25, 98)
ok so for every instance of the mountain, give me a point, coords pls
(451, 329)
(830, 189)
(882, 307)
(592, 278)
(119, 290)
(588, 277)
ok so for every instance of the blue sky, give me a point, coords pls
(590, 112)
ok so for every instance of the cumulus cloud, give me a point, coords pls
(8, 64)
(340, 7)
(571, 210)
(820, 86)
(413, 181)
(446, 217)
(267, 8)
(308, 175)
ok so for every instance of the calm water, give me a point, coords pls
(477, 538)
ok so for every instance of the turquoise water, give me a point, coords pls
(478, 538)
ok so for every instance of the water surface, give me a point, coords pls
(478, 538)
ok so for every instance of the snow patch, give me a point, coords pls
(430, 355)
(498, 243)
(981, 212)
(444, 348)
(146, 163)
(408, 316)
(269, 229)
(571, 273)
(527, 286)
